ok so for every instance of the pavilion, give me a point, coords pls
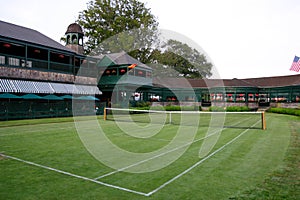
(40, 77)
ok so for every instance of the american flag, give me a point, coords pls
(296, 64)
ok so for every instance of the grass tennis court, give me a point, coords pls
(45, 159)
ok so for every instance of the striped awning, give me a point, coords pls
(25, 86)
(6, 86)
(22, 86)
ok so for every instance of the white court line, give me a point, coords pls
(199, 162)
(74, 175)
(126, 189)
(164, 153)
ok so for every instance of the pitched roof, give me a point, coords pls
(124, 58)
(199, 83)
(21, 33)
(276, 81)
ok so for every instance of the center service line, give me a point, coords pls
(199, 162)
(164, 153)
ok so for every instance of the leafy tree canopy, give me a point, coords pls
(104, 19)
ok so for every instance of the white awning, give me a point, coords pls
(21, 86)
(44, 87)
(25, 86)
(6, 86)
(58, 88)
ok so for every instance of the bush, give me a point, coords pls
(288, 111)
(143, 104)
(217, 109)
(147, 105)
(229, 109)
(237, 109)
(172, 108)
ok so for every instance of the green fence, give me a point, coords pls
(36, 109)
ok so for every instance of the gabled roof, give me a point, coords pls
(275, 81)
(21, 33)
(264, 82)
(123, 58)
(200, 83)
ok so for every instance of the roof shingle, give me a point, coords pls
(21, 33)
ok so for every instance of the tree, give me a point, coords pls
(115, 25)
(106, 18)
(179, 59)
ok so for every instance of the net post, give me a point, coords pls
(170, 117)
(104, 114)
(263, 121)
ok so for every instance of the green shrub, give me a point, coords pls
(143, 104)
(288, 111)
(161, 108)
(217, 109)
(147, 105)
(229, 109)
(172, 108)
(237, 109)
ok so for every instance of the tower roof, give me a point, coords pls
(74, 28)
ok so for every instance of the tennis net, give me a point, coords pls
(188, 118)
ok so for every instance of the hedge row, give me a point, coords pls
(288, 111)
(169, 108)
(194, 108)
(229, 109)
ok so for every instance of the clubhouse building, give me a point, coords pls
(40, 77)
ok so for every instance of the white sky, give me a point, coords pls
(244, 38)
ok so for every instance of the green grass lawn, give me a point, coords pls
(245, 168)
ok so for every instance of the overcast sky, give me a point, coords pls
(244, 38)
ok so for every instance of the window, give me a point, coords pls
(37, 53)
(2, 60)
(148, 74)
(114, 72)
(122, 71)
(171, 98)
(77, 62)
(131, 72)
(240, 97)
(107, 72)
(26, 64)
(12, 49)
(59, 58)
(68, 39)
(80, 41)
(14, 61)
(141, 73)
(229, 97)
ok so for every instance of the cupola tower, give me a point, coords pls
(74, 38)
